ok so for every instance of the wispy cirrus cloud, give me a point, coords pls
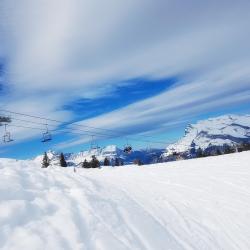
(59, 51)
(175, 106)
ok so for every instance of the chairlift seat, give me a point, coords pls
(127, 149)
(46, 137)
(7, 138)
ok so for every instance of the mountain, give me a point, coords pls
(212, 134)
(111, 152)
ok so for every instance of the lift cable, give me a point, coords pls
(114, 132)
(69, 131)
(86, 132)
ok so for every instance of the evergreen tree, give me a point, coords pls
(138, 162)
(94, 162)
(245, 146)
(229, 149)
(117, 163)
(218, 152)
(199, 153)
(86, 164)
(106, 162)
(46, 161)
(63, 163)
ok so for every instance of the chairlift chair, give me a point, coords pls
(46, 135)
(7, 136)
(127, 149)
(93, 144)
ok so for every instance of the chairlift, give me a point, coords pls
(46, 135)
(7, 136)
(93, 145)
(127, 148)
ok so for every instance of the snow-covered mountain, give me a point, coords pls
(111, 152)
(211, 134)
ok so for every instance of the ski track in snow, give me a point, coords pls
(194, 204)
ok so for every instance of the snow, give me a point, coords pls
(218, 131)
(193, 204)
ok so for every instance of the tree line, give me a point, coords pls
(226, 149)
(93, 163)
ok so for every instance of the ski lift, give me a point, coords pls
(93, 145)
(6, 137)
(46, 135)
(127, 148)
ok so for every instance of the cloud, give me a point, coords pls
(58, 51)
(176, 106)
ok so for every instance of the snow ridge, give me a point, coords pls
(214, 132)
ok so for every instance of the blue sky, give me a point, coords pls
(143, 68)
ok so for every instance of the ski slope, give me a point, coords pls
(193, 204)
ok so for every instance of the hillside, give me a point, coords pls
(194, 204)
(211, 134)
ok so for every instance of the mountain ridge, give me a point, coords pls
(212, 134)
(112, 152)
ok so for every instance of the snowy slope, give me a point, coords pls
(219, 131)
(194, 204)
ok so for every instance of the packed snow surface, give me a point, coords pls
(193, 204)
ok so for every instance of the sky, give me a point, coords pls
(135, 70)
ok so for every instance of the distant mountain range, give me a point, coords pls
(208, 135)
(112, 152)
(212, 134)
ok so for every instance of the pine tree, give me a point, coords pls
(229, 150)
(138, 162)
(106, 162)
(117, 163)
(244, 146)
(46, 161)
(218, 152)
(199, 153)
(85, 164)
(94, 162)
(63, 163)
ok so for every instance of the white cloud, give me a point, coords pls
(178, 104)
(58, 51)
